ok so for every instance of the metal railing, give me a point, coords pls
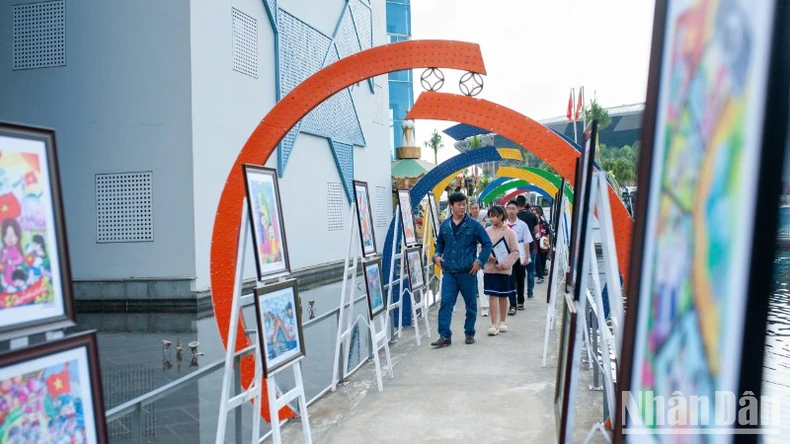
(135, 406)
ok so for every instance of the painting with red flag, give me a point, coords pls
(51, 393)
(34, 278)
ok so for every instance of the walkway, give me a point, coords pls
(492, 391)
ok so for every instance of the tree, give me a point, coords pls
(599, 113)
(435, 143)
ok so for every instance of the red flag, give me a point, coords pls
(58, 384)
(579, 104)
(570, 106)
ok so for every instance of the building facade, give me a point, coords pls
(401, 84)
(152, 101)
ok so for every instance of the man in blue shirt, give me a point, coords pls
(456, 254)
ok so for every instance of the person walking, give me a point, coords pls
(524, 239)
(457, 255)
(499, 285)
(479, 216)
(531, 220)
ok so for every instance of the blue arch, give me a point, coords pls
(416, 194)
(497, 182)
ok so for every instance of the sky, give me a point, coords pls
(535, 51)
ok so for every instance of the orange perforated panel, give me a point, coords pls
(533, 136)
(280, 119)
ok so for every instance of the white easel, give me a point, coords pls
(610, 341)
(254, 392)
(558, 269)
(402, 290)
(347, 296)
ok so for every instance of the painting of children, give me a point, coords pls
(263, 200)
(32, 285)
(279, 324)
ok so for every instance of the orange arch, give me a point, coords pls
(528, 133)
(284, 116)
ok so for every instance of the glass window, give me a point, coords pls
(401, 98)
(403, 76)
(398, 19)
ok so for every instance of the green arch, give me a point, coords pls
(515, 183)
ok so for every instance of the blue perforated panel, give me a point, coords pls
(363, 19)
(462, 131)
(346, 37)
(271, 10)
(305, 50)
(495, 183)
(429, 181)
(344, 159)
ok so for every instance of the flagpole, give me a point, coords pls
(573, 98)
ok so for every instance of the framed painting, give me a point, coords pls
(365, 218)
(579, 250)
(713, 143)
(407, 217)
(434, 209)
(35, 276)
(377, 301)
(52, 392)
(279, 316)
(266, 218)
(415, 268)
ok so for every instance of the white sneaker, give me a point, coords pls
(485, 313)
(493, 331)
(502, 327)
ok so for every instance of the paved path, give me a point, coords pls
(492, 391)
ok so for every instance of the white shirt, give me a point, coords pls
(522, 230)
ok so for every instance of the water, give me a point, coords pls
(133, 363)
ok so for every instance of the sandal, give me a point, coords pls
(511, 311)
(520, 306)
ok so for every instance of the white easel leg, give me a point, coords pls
(230, 350)
(375, 347)
(387, 353)
(256, 412)
(414, 317)
(308, 437)
(274, 412)
(598, 426)
(425, 313)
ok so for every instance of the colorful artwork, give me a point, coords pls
(414, 261)
(263, 198)
(32, 286)
(49, 399)
(706, 150)
(407, 218)
(375, 291)
(365, 218)
(434, 213)
(279, 325)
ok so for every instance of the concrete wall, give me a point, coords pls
(121, 104)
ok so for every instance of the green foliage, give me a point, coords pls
(599, 113)
(474, 142)
(435, 143)
(620, 162)
(482, 184)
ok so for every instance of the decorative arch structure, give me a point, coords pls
(546, 144)
(535, 175)
(516, 184)
(273, 128)
(520, 190)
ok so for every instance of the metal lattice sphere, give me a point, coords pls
(432, 79)
(471, 84)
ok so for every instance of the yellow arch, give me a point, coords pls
(518, 173)
(510, 153)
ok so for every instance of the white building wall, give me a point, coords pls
(121, 104)
(227, 106)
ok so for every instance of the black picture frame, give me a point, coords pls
(769, 151)
(362, 196)
(272, 304)
(374, 288)
(37, 362)
(500, 241)
(583, 202)
(27, 319)
(415, 270)
(407, 217)
(254, 211)
(434, 210)
(564, 367)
